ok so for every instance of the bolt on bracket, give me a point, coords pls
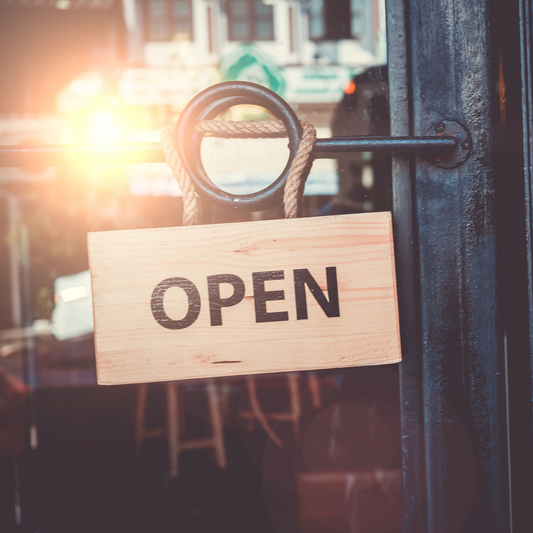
(463, 148)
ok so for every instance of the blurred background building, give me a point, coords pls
(104, 71)
(111, 71)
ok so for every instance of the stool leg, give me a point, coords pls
(224, 396)
(182, 416)
(215, 415)
(258, 412)
(314, 387)
(142, 392)
(296, 406)
(172, 426)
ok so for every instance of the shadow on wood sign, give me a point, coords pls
(244, 298)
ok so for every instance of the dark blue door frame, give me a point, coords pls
(461, 248)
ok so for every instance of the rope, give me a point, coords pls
(248, 129)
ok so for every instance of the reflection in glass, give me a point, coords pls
(314, 452)
(250, 20)
(169, 19)
(157, 19)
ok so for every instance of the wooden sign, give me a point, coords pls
(244, 298)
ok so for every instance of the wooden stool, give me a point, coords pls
(293, 415)
(176, 422)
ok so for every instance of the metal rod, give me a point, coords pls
(371, 144)
(121, 154)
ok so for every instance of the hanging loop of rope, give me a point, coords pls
(246, 129)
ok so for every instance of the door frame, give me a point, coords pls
(461, 265)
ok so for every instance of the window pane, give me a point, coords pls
(238, 7)
(157, 22)
(263, 21)
(240, 26)
(317, 27)
(359, 21)
(262, 8)
(182, 19)
(263, 30)
(239, 31)
(156, 8)
(181, 8)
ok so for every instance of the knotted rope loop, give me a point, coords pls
(245, 129)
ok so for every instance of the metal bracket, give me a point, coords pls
(463, 146)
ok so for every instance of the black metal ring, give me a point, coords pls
(210, 113)
(209, 103)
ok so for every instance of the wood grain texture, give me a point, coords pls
(132, 347)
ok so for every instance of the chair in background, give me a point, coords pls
(175, 425)
(293, 415)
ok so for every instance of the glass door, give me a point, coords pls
(434, 444)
